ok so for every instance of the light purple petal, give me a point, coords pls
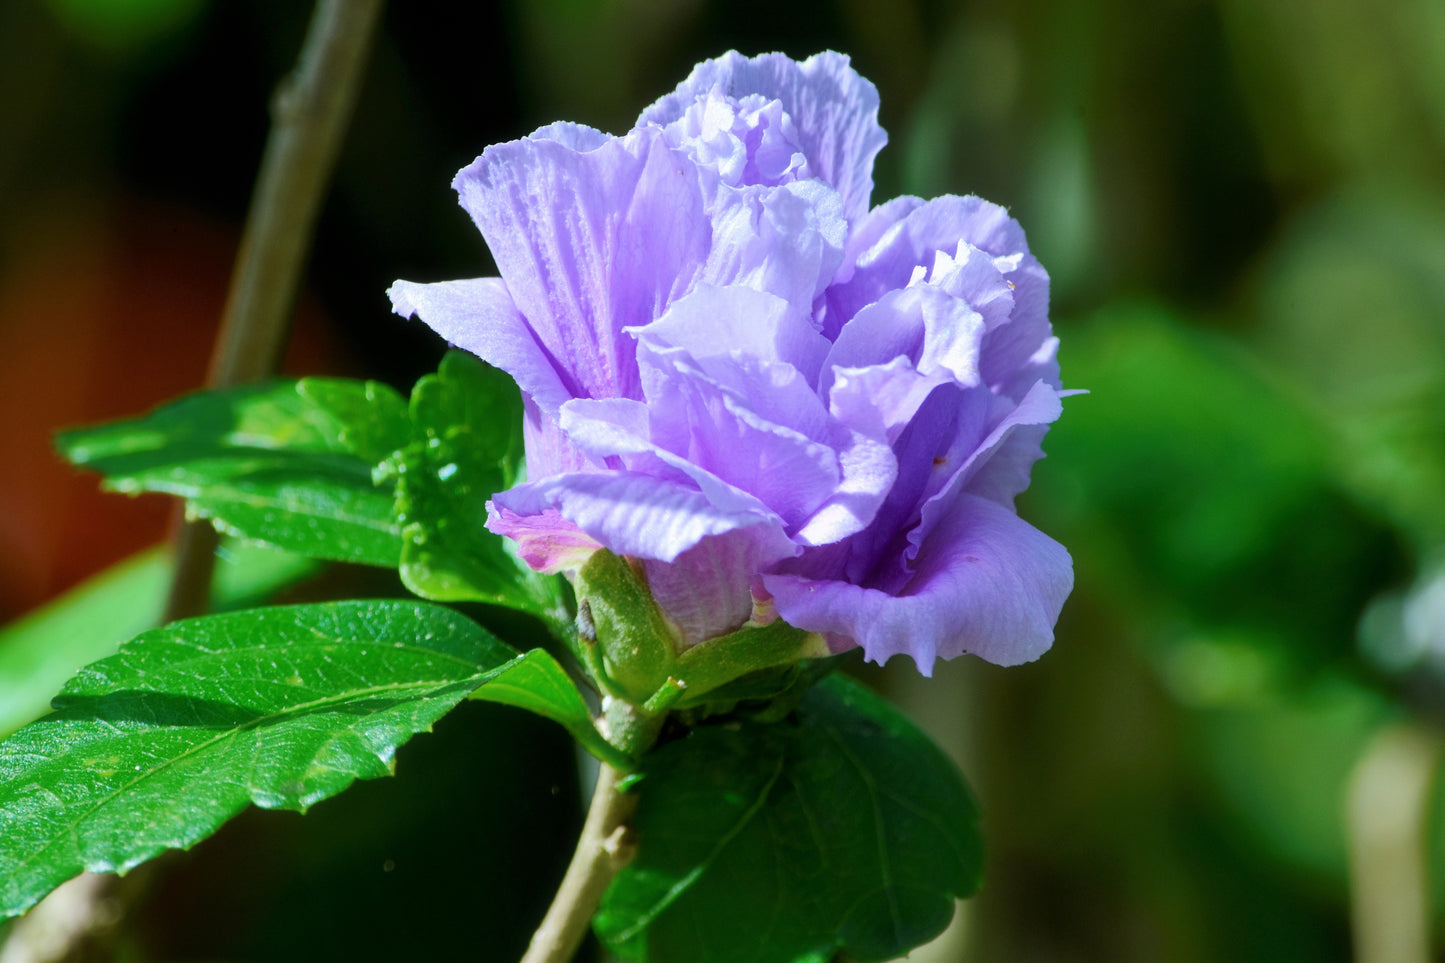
(589, 241)
(869, 470)
(1014, 441)
(787, 240)
(706, 591)
(744, 141)
(881, 399)
(738, 322)
(783, 472)
(934, 330)
(642, 516)
(479, 315)
(949, 413)
(988, 583)
(907, 234)
(834, 112)
(549, 451)
(545, 541)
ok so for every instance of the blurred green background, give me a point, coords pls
(1242, 205)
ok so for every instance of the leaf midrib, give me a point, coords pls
(681, 886)
(269, 719)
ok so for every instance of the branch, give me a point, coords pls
(309, 117)
(1386, 821)
(607, 842)
(605, 846)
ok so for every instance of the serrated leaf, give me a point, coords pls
(39, 651)
(286, 464)
(536, 682)
(153, 748)
(466, 446)
(842, 827)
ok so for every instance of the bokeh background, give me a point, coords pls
(1242, 206)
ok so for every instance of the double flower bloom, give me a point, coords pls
(779, 402)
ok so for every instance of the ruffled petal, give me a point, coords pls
(786, 241)
(591, 235)
(738, 322)
(479, 315)
(988, 584)
(934, 330)
(785, 471)
(881, 399)
(907, 234)
(995, 467)
(834, 112)
(642, 516)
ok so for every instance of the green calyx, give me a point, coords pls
(635, 652)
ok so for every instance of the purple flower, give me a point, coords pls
(781, 402)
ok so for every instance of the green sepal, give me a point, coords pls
(705, 667)
(634, 640)
(638, 653)
(841, 827)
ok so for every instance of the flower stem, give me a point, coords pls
(605, 846)
(310, 113)
(607, 842)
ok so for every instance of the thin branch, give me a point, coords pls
(309, 117)
(1386, 821)
(605, 846)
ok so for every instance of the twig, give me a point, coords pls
(605, 846)
(78, 914)
(1389, 795)
(309, 117)
(607, 843)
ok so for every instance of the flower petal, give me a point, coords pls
(545, 541)
(706, 591)
(989, 584)
(738, 321)
(834, 112)
(907, 234)
(787, 240)
(590, 235)
(934, 330)
(639, 515)
(479, 315)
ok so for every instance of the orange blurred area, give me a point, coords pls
(106, 310)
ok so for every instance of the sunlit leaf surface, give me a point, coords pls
(841, 828)
(156, 746)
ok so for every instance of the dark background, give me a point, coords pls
(1242, 205)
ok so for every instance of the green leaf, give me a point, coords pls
(156, 746)
(842, 827)
(466, 446)
(44, 648)
(536, 682)
(284, 463)
(370, 418)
